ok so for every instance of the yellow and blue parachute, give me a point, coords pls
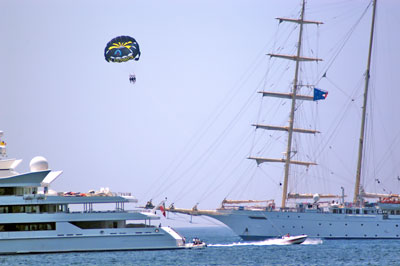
(122, 49)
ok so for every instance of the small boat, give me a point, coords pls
(196, 243)
(287, 239)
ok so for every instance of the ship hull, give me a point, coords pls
(259, 225)
(152, 238)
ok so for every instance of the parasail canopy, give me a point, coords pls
(122, 49)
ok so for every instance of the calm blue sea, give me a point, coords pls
(226, 249)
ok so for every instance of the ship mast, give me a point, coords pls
(291, 119)
(356, 199)
(293, 96)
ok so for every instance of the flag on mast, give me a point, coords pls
(319, 94)
(162, 209)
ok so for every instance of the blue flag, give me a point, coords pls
(319, 94)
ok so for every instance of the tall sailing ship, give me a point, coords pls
(337, 219)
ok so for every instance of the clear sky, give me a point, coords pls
(183, 131)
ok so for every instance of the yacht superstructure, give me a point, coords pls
(35, 219)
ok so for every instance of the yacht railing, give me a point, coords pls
(108, 211)
(95, 194)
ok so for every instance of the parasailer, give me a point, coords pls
(132, 78)
(122, 49)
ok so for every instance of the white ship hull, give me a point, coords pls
(151, 238)
(257, 225)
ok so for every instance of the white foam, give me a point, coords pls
(268, 242)
(313, 241)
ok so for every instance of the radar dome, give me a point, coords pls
(316, 197)
(52, 192)
(38, 163)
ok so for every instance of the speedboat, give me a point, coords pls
(291, 240)
(196, 243)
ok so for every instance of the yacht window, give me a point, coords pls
(4, 191)
(17, 208)
(34, 227)
(27, 227)
(19, 191)
(94, 224)
(48, 208)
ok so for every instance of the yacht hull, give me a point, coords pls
(259, 225)
(153, 238)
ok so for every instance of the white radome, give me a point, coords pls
(316, 197)
(38, 163)
(52, 193)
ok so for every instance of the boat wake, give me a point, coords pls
(268, 242)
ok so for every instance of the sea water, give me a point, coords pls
(224, 248)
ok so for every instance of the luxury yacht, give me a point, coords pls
(36, 219)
